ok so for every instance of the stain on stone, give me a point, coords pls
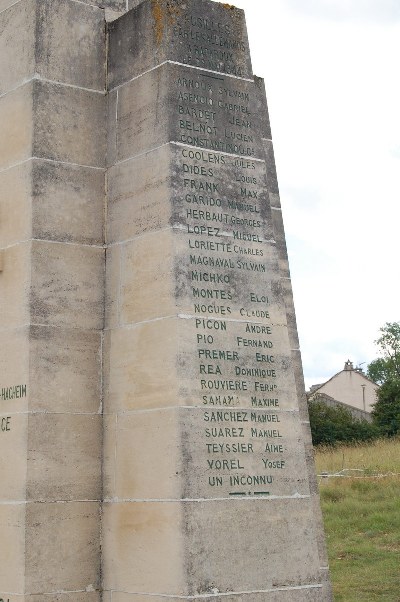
(162, 14)
(158, 16)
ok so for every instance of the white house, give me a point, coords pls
(350, 387)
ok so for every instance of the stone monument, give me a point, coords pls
(154, 440)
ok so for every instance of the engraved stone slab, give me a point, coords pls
(208, 35)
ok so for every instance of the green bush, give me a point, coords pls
(330, 425)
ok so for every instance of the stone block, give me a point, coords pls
(62, 547)
(70, 43)
(68, 203)
(17, 32)
(64, 457)
(284, 555)
(159, 31)
(14, 286)
(13, 448)
(12, 550)
(15, 204)
(204, 118)
(139, 195)
(282, 558)
(241, 453)
(65, 370)
(190, 461)
(178, 354)
(16, 126)
(68, 124)
(140, 366)
(14, 370)
(228, 369)
(143, 547)
(223, 290)
(67, 285)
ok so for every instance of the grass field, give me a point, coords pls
(362, 519)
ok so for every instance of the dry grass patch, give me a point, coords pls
(362, 520)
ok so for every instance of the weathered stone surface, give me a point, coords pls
(12, 550)
(65, 370)
(158, 31)
(15, 284)
(68, 124)
(206, 447)
(64, 457)
(111, 107)
(62, 546)
(196, 464)
(117, 5)
(134, 3)
(134, 462)
(16, 50)
(265, 130)
(310, 594)
(139, 192)
(67, 285)
(140, 366)
(70, 46)
(15, 204)
(272, 181)
(166, 350)
(261, 567)
(6, 4)
(67, 203)
(14, 369)
(146, 288)
(143, 547)
(13, 453)
(209, 124)
(74, 597)
(208, 569)
(16, 126)
(59, 40)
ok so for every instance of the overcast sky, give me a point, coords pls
(331, 69)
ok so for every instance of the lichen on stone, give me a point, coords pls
(158, 16)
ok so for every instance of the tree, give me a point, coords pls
(380, 370)
(387, 367)
(385, 371)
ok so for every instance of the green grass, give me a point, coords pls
(362, 521)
